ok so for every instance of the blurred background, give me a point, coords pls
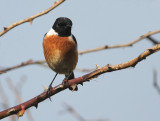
(125, 95)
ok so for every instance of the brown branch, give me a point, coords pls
(108, 68)
(83, 70)
(31, 62)
(30, 19)
(120, 45)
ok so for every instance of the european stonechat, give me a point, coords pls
(60, 50)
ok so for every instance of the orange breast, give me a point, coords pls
(60, 53)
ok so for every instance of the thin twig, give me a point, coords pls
(4, 97)
(30, 19)
(120, 45)
(29, 62)
(18, 96)
(73, 112)
(5, 101)
(108, 68)
(155, 81)
(21, 83)
(14, 90)
(153, 40)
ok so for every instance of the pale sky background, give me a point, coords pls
(126, 95)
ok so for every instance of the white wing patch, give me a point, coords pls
(52, 32)
(71, 38)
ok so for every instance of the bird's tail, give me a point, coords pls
(73, 87)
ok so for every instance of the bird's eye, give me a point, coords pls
(61, 24)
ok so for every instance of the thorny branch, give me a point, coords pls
(31, 62)
(108, 68)
(30, 19)
(121, 45)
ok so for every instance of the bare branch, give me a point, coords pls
(18, 96)
(120, 45)
(29, 62)
(73, 112)
(5, 101)
(4, 97)
(30, 19)
(153, 40)
(1, 72)
(108, 68)
(14, 90)
(155, 81)
(21, 83)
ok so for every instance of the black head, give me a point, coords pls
(63, 26)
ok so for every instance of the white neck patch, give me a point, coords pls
(71, 38)
(52, 32)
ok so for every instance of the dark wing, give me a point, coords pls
(74, 39)
(44, 36)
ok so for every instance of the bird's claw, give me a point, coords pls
(49, 92)
(64, 83)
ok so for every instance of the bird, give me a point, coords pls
(60, 50)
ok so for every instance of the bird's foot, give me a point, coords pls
(49, 90)
(64, 82)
